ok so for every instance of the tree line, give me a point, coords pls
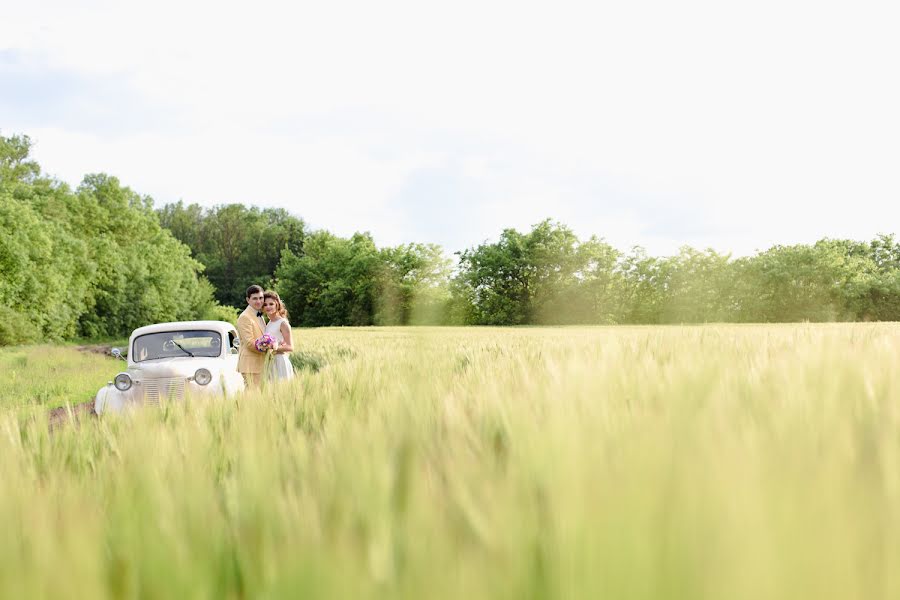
(98, 260)
(323, 278)
(544, 276)
(548, 276)
(92, 262)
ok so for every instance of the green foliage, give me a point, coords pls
(698, 287)
(548, 276)
(412, 285)
(308, 360)
(239, 246)
(338, 281)
(881, 302)
(15, 168)
(14, 329)
(544, 276)
(218, 312)
(334, 281)
(645, 280)
(830, 280)
(90, 263)
(101, 260)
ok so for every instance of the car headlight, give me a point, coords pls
(203, 376)
(122, 382)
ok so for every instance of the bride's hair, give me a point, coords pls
(280, 310)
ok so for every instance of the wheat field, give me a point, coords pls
(720, 462)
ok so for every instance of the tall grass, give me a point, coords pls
(738, 462)
(52, 376)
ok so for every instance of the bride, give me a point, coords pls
(279, 328)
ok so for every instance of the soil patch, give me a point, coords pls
(70, 414)
(98, 349)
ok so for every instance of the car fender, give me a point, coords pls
(110, 399)
(233, 383)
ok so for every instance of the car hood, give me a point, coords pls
(175, 367)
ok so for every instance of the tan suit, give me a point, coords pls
(250, 328)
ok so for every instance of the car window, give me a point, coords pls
(172, 344)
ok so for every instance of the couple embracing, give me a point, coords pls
(255, 346)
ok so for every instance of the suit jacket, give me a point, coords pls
(249, 359)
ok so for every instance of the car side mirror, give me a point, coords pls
(117, 352)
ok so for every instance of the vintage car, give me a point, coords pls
(169, 361)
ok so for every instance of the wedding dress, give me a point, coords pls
(280, 367)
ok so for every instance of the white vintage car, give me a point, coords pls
(172, 360)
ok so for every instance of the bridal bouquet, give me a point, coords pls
(265, 343)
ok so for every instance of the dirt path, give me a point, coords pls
(62, 415)
(102, 349)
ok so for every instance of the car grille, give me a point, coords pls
(170, 389)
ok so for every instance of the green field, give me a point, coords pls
(52, 376)
(722, 462)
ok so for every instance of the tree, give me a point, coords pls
(92, 263)
(238, 246)
(881, 301)
(334, 281)
(15, 166)
(543, 276)
(699, 288)
(592, 294)
(802, 282)
(412, 285)
(644, 288)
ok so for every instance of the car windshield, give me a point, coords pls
(171, 344)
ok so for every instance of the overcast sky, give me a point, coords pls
(732, 125)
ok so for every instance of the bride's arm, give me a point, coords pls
(287, 346)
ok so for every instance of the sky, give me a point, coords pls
(730, 125)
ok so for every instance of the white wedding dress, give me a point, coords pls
(280, 367)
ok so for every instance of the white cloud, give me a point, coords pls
(704, 123)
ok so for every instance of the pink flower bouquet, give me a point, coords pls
(266, 342)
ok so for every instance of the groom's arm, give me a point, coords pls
(245, 331)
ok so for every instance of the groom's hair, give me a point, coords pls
(254, 289)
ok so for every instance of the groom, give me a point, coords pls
(250, 326)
